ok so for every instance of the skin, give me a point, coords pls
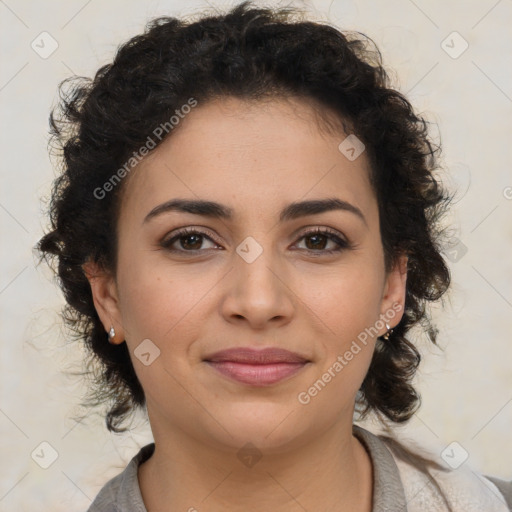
(255, 158)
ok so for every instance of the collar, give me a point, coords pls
(388, 491)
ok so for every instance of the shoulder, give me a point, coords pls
(438, 487)
(122, 493)
(504, 487)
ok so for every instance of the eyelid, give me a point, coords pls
(179, 232)
(320, 229)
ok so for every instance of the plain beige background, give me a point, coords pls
(466, 388)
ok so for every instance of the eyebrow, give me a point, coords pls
(218, 211)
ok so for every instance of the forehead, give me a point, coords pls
(261, 153)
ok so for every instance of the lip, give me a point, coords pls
(249, 355)
(257, 374)
(262, 367)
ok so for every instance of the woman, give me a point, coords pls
(246, 230)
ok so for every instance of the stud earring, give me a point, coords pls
(389, 331)
(111, 333)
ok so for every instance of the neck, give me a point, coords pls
(332, 473)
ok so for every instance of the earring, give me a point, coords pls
(389, 331)
(111, 333)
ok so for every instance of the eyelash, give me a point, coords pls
(331, 235)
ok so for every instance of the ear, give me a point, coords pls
(105, 296)
(393, 297)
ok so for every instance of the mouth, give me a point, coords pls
(262, 367)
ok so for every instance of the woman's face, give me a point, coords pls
(250, 279)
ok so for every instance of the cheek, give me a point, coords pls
(345, 307)
(346, 300)
(159, 302)
(166, 307)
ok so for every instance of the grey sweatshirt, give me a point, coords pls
(390, 494)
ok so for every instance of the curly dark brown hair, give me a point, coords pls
(249, 53)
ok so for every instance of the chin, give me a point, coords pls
(269, 426)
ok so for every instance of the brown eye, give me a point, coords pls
(317, 240)
(193, 242)
(190, 240)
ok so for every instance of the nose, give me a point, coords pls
(259, 292)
